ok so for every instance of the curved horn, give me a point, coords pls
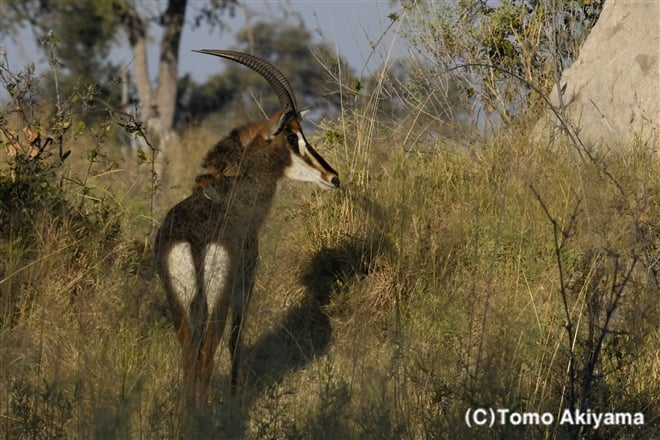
(275, 78)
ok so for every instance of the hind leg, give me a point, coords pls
(215, 278)
(188, 360)
(211, 339)
(177, 269)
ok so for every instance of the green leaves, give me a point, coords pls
(142, 156)
(501, 51)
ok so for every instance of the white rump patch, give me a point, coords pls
(181, 270)
(302, 144)
(216, 272)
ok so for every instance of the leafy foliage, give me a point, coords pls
(83, 32)
(500, 53)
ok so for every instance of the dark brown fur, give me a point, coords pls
(227, 207)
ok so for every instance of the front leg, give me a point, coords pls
(234, 348)
(241, 293)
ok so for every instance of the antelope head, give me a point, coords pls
(284, 128)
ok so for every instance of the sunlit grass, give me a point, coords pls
(427, 284)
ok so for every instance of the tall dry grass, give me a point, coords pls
(440, 277)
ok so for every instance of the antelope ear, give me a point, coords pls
(304, 112)
(277, 128)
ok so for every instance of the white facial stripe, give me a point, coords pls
(301, 170)
(306, 167)
(216, 272)
(181, 270)
(302, 144)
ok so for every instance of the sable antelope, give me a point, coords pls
(207, 246)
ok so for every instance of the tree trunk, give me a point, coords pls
(157, 104)
(169, 61)
(135, 30)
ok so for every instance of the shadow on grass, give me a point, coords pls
(305, 331)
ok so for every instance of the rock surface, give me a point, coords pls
(612, 91)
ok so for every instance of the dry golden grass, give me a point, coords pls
(428, 284)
